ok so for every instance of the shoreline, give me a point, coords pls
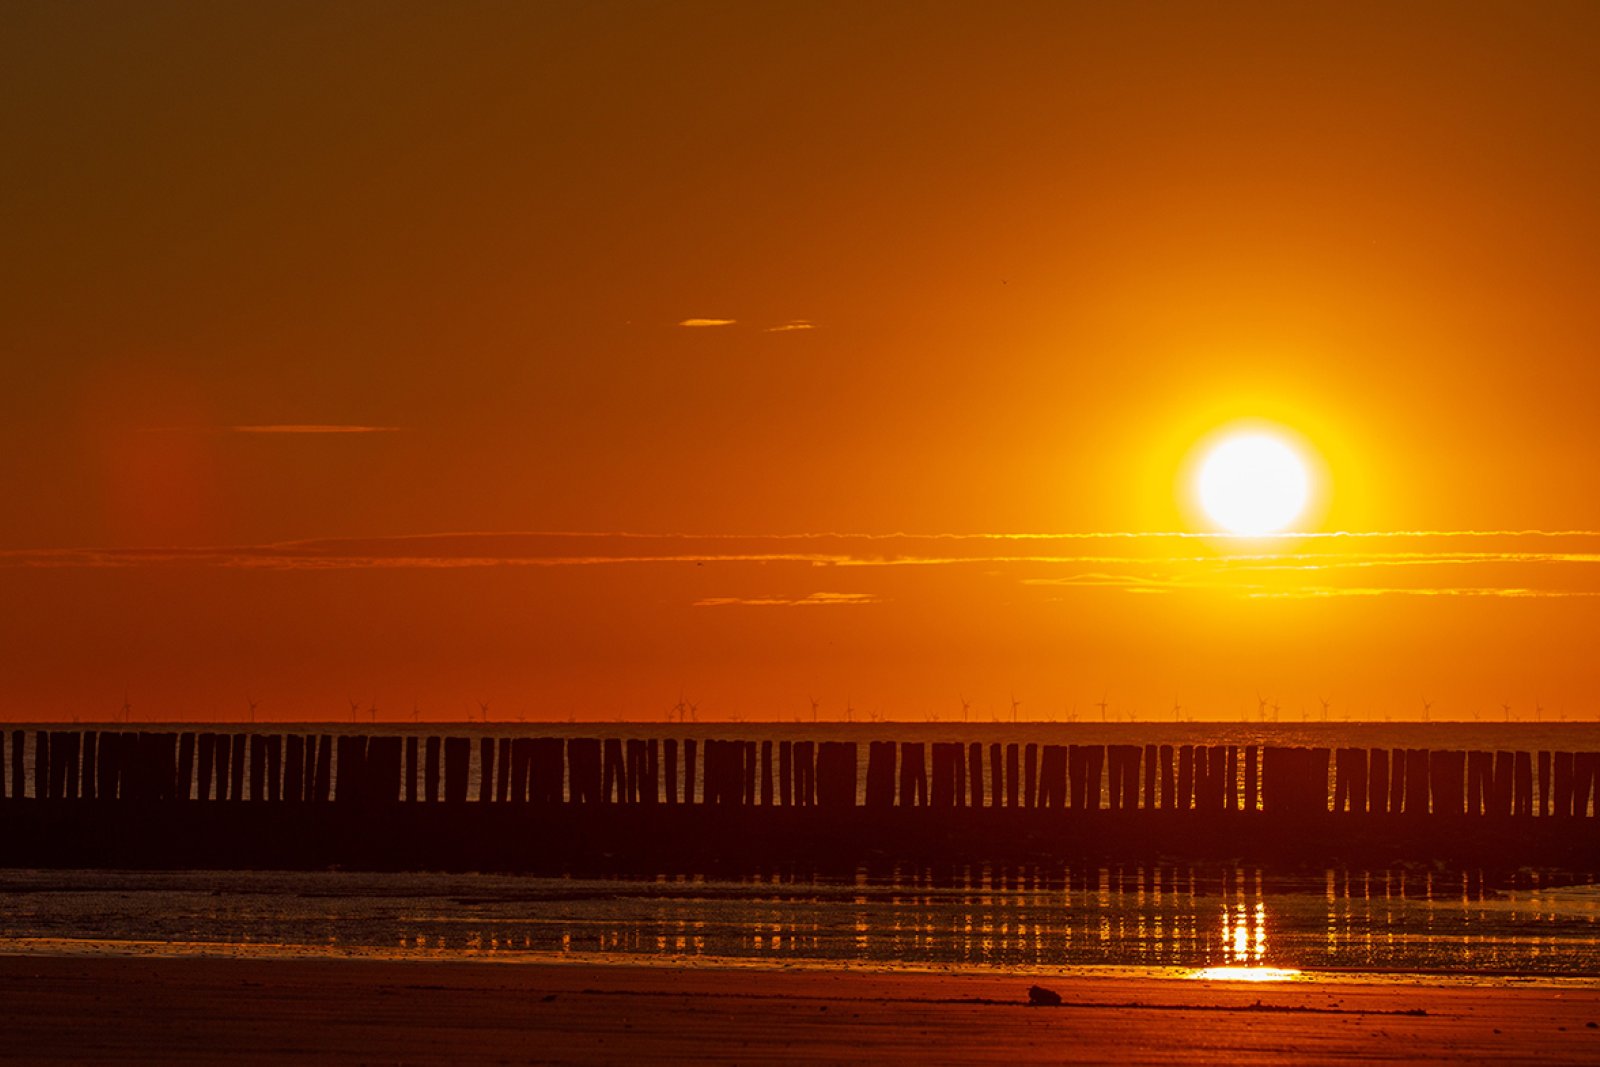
(1265, 975)
(131, 1009)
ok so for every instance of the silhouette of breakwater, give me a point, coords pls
(211, 799)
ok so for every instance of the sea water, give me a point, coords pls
(1405, 920)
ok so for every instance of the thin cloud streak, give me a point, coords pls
(707, 322)
(809, 601)
(278, 428)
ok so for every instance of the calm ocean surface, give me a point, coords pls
(1433, 920)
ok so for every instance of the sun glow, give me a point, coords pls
(1253, 484)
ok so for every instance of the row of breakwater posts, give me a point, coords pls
(141, 798)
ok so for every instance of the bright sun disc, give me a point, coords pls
(1253, 484)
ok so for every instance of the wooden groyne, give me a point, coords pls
(142, 798)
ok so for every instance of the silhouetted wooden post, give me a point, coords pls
(1503, 786)
(1377, 781)
(1030, 774)
(168, 750)
(959, 758)
(18, 777)
(41, 765)
(997, 776)
(274, 768)
(1272, 774)
(516, 755)
(650, 774)
(633, 750)
(74, 754)
(1185, 777)
(485, 770)
(1216, 767)
(90, 766)
(1563, 784)
(432, 768)
(688, 771)
(504, 757)
(1586, 783)
(382, 770)
(836, 774)
(323, 781)
(236, 768)
(1397, 781)
(1114, 777)
(1416, 781)
(457, 761)
(1053, 777)
(1169, 788)
(942, 781)
(1583, 782)
(1446, 775)
(723, 771)
(310, 769)
(185, 764)
(612, 771)
(1544, 782)
(941, 790)
(1150, 796)
(413, 752)
(546, 769)
(975, 773)
(1202, 778)
(1480, 782)
(747, 752)
(1093, 765)
(258, 767)
(1128, 756)
(805, 774)
(1351, 770)
(1230, 783)
(1251, 800)
(206, 762)
(880, 774)
(670, 752)
(347, 781)
(715, 774)
(767, 784)
(913, 775)
(786, 773)
(294, 769)
(222, 755)
(1013, 775)
(1341, 780)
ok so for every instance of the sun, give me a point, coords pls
(1253, 484)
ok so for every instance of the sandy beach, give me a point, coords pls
(100, 1010)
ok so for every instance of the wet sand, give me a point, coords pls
(115, 1010)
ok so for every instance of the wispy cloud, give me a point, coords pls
(279, 428)
(790, 326)
(1503, 564)
(708, 322)
(810, 600)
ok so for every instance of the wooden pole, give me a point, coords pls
(880, 774)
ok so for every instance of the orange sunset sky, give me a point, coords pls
(573, 357)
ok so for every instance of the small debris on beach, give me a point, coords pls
(1040, 997)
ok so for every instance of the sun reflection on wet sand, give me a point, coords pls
(1246, 974)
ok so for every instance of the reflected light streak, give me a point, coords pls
(1246, 974)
